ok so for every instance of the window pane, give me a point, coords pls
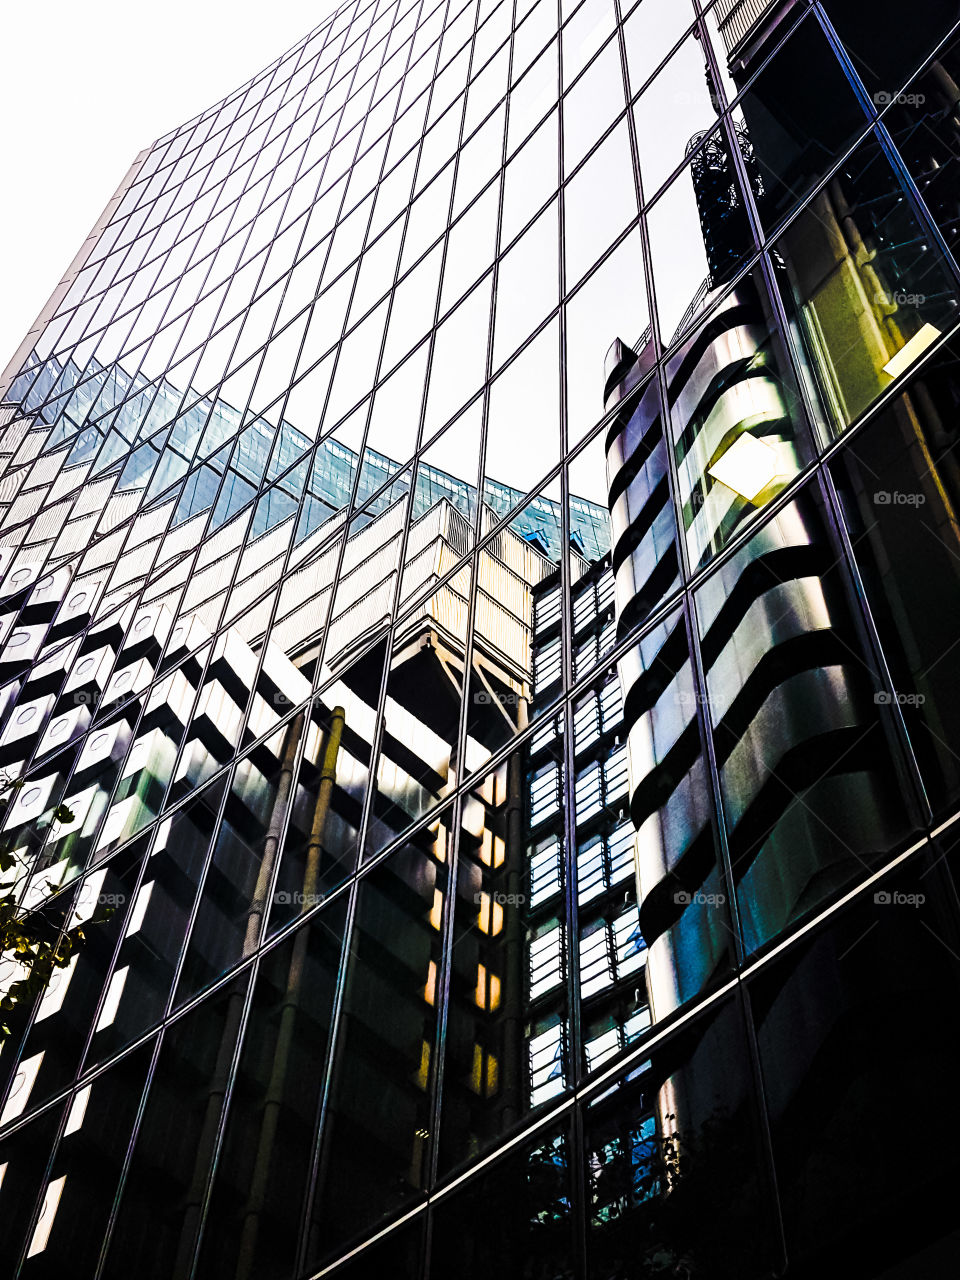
(866, 290)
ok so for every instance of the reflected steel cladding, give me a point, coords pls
(450, 697)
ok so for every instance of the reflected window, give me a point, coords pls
(866, 290)
(899, 485)
(736, 421)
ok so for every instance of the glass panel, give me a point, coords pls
(736, 421)
(523, 423)
(256, 1202)
(86, 1170)
(699, 236)
(159, 1213)
(684, 912)
(459, 357)
(612, 304)
(376, 1151)
(673, 113)
(598, 203)
(592, 105)
(232, 907)
(61, 1022)
(822, 1037)
(649, 33)
(534, 95)
(398, 1254)
(320, 846)
(156, 922)
(528, 1196)
(924, 128)
(673, 1174)
(799, 115)
(644, 557)
(887, 48)
(418, 764)
(865, 289)
(584, 34)
(508, 1030)
(529, 179)
(900, 488)
(25, 1156)
(612, 948)
(810, 792)
(528, 284)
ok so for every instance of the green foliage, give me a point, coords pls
(25, 941)
(21, 941)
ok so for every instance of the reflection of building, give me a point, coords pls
(494, 790)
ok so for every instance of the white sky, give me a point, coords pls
(83, 88)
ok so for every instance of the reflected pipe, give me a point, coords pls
(274, 1097)
(234, 1014)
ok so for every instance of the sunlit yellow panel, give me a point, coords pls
(476, 1074)
(480, 995)
(436, 911)
(496, 919)
(499, 851)
(423, 1075)
(494, 998)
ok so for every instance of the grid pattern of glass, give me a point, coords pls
(463, 654)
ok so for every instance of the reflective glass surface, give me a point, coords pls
(478, 543)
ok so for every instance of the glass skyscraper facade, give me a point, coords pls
(479, 600)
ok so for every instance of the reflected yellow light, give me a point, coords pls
(496, 919)
(423, 1075)
(493, 1074)
(912, 351)
(494, 1001)
(486, 847)
(499, 851)
(476, 1074)
(430, 990)
(747, 467)
(436, 911)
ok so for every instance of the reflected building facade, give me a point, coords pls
(505, 767)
